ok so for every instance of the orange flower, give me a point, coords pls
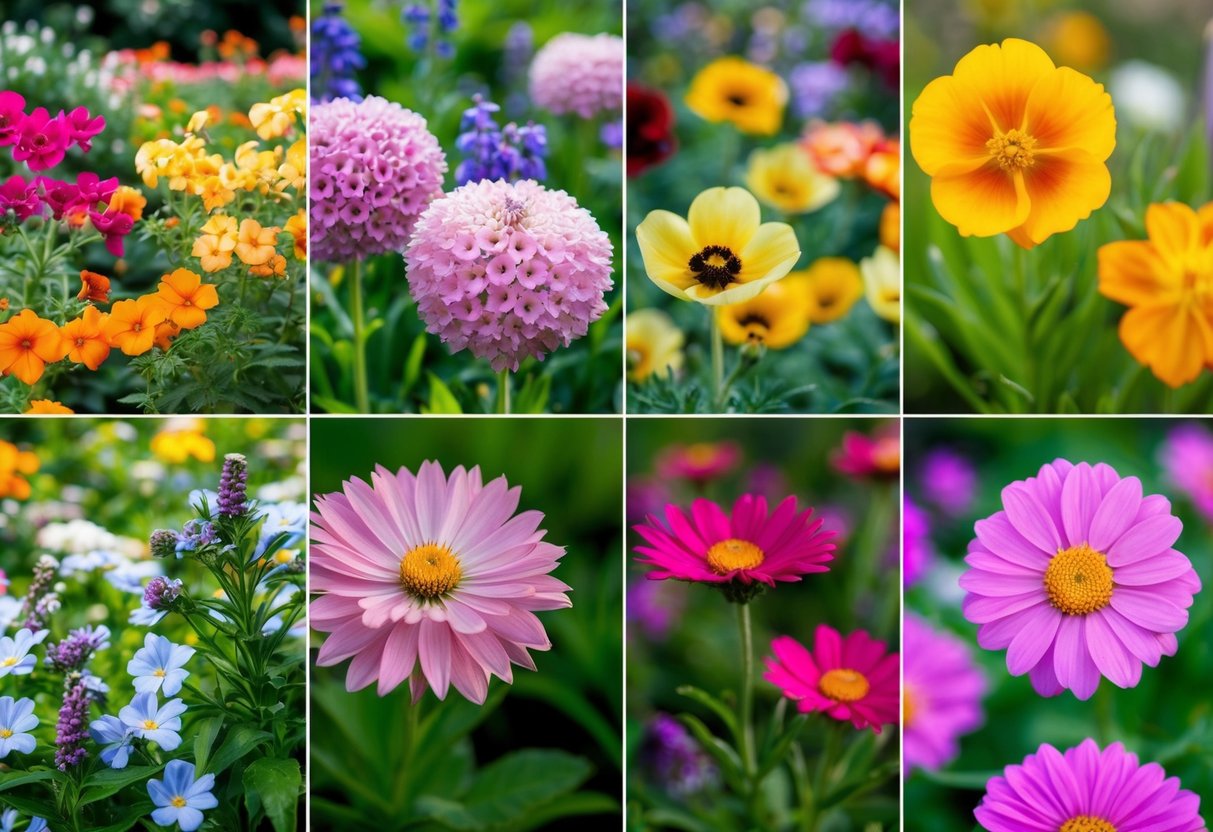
(842, 149)
(186, 298)
(27, 344)
(275, 268)
(297, 225)
(127, 200)
(86, 340)
(172, 222)
(214, 251)
(3, 304)
(14, 463)
(256, 245)
(46, 406)
(131, 325)
(166, 334)
(882, 170)
(94, 287)
(890, 226)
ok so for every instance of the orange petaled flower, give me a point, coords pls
(46, 406)
(276, 267)
(255, 245)
(1166, 281)
(86, 340)
(890, 226)
(1014, 144)
(3, 304)
(15, 465)
(842, 149)
(882, 170)
(172, 222)
(27, 344)
(131, 326)
(297, 226)
(186, 298)
(94, 287)
(214, 252)
(127, 200)
(166, 333)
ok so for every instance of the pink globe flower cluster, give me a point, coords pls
(508, 270)
(580, 74)
(375, 168)
(39, 139)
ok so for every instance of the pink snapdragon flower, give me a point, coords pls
(44, 140)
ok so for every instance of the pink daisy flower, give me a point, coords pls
(430, 579)
(1187, 457)
(1088, 790)
(852, 679)
(700, 462)
(876, 457)
(940, 697)
(742, 552)
(1077, 579)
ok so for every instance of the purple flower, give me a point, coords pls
(233, 486)
(492, 152)
(194, 535)
(336, 56)
(655, 606)
(39, 600)
(1187, 457)
(873, 18)
(949, 481)
(918, 554)
(114, 228)
(72, 728)
(73, 653)
(941, 695)
(815, 85)
(676, 759)
(163, 543)
(161, 593)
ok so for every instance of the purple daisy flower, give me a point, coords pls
(940, 695)
(917, 555)
(949, 481)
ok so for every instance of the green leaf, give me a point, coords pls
(241, 739)
(442, 400)
(12, 779)
(272, 784)
(567, 806)
(110, 781)
(518, 783)
(208, 730)
(713, 704)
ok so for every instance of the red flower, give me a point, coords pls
(883, 57)
(650, 129)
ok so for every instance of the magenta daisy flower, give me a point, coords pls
(870, 457)
(1077, 579)
(940, 696)
(852, 679)
(700, 462)
(430, 579)
(741, 552)
(1088, 790)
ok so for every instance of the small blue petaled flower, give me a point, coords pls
(180, 797)
(14, 652)
(16, 721)
(149, 721)
(114, 737)
(159, 665)
(195, 534)
(289, 518)
(7, 820)
(37, 824)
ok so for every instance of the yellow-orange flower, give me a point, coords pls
(186, 298)
(27, 344)
(273, 118)
(1079, 40)
(46, 406)
(179, 444)
(86, 340)
(131, 325)
(882, 170)
(214, 252)
(166, 333)
(784, 178)
(777, 318)
(654, 344)
(831, 286)
(293, 170)
(276, 267)
(890, 226)
(15, 466)
(1167, 281)
(733, 89)
(127, 200)
(1014, 144)
(297, 226)
(721, 253)
(94, 287)
(256, 245)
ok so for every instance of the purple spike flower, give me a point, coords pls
(233, 484)
(72, 728)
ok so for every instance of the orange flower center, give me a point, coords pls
(715, 266)
(908, 707)
(731, 554)
(1012, 150)
(429, 571)
(26, 344)
(843, 685)
(137, 327)
(1086, 823)
(1079, 580)
(79, 342)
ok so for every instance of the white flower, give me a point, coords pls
(1147, 96)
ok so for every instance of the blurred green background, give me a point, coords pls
(570, 470)
(1167, 718)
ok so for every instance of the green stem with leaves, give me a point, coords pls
(745, 714)
(362, 397)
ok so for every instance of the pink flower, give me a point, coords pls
(1187, 457)
(84, 127)
(877, 456)
(580, 74)
(941, 697)
(12, 113)
(916, 544)
(62, 197)
(430, 579)
(852, 679)
(741, 552)
(114, 228)
(20, 198)
(949, 481)
(1088, 790)
(1077, 579)
(43, 141)
(700, 462)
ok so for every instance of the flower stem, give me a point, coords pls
(503, 391)
(745, 716)
(717, 360)
(362, 397)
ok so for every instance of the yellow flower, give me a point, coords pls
(831, 286)
(1167, 281)
(214, 252)
(890, 226)
(46, 406)
(255, 244)
(721, 253)
(177, 444)
(1079, 40)
(293, 171)
(214, 193)
(297, 226)
(777, 318)
(1014, 144)
(785, 178)
(882, 282)
(735, 90)
(271, 120)
(197, 122)
(654, 344)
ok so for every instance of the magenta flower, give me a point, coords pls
(580, 74)
(949, 481)
(1087, 790)
(508, 270)
(12, 113)
(84, 127)
(62, 197)
(1077, 579)
(917, 553)
(114, 228)
(852, 679)
(430, 579)
(870, 457)
(43, 141)
(1187, 456)
(941, 695)
(20, 198)
(700, 462)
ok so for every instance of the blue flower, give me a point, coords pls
(16, 721)
(289, 518)
(492, 152)
(14, 652)
(180, 797)
(336, 53)
(114, 738)
(129, 576)
(37, 824)
(7, 819)
(145, 616)
(158, 665)
(149, 721)
(194, 533)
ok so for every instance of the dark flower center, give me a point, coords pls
(715, 267)
(738, 100)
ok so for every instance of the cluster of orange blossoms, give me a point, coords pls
(15, 466)
(861, 150)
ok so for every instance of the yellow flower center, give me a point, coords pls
(715, 266)
(5, 733)
(731, 554)
(908, 707)
(159, 672)
(1086, 823)
(887, 455)
(1079, 580)
(150, 725)
(843, 685)
(1012, 150)
(429, 570)
(178, 801)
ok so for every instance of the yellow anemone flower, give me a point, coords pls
(1014, 144)
(777, 318)
(882, 281)
(1167, 281)
(785, 178)
(654, 344)
(47, 406)
(831, 286)
(733, 89)
(721, 253)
